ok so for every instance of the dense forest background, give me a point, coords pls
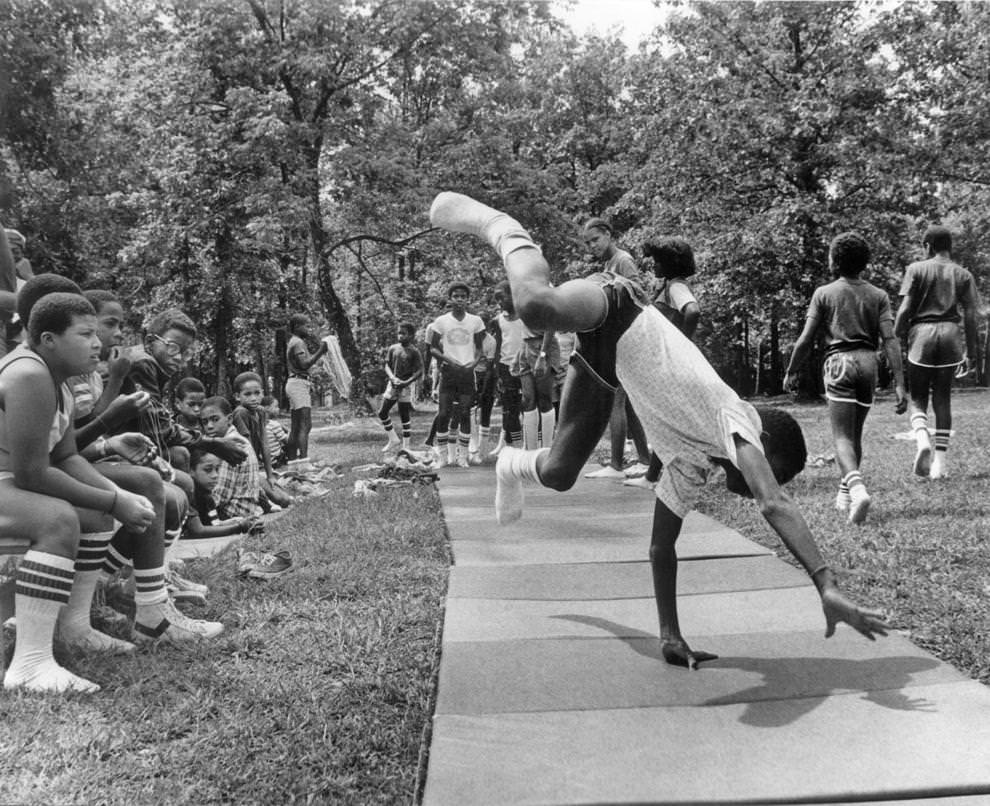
(246, 159)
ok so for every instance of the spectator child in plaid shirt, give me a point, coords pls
(236, 492)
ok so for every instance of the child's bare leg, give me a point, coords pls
(920, 379)
(43, 585)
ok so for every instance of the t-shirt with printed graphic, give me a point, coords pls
(457, 335)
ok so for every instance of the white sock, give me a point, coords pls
(548, 422)
(513, 467)
(531, 429)
(455, 212)
(44, 582)
(74, 626)
(452, 446)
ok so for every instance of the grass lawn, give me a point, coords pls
(320, 690)
(922, 555)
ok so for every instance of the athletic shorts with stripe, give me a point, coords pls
(851, 377)
(935, 344)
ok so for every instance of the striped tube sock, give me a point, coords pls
(452, 446)
(940, 460)
(942, 439)
(859, 498)
(514, 466)
(406, 433)
(43, 585)
(919, 424)
(113, 562)
(387, 424)
(842, 497)
(516, 438)
(149, 587)
(74, 626)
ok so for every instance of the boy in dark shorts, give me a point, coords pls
(403, 366)
(694, 421)
(936, 295)
(856, 317)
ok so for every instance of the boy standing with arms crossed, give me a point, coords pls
(695, 422)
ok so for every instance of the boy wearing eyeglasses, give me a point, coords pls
(168, 341)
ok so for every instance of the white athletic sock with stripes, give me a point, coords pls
(42, 588)
(512, 469)
(74, 626)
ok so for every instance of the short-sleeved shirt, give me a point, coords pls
(206, 506)
(938, 287)
(237, 487)
(852, 311)
(487, 354)
(457, 335)
(672, 297)
(295, 352)
(511, 332)
(623, 264)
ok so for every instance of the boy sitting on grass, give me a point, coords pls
(694, 421)
(236, 491)
(204, 520)
(42, 478)
(251, 421)
(188, 395)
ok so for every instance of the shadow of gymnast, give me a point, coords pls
(765, 705)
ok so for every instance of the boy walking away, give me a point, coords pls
(403, 366)
(936, 294)
(856, 317)
(299, 361)
(456, 342)
(694, 420)
(251, 421)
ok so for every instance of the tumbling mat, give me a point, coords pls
(618, 580)
(581, 674)
(552, 690)
(822, 749)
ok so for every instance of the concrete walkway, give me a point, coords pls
(552, 690)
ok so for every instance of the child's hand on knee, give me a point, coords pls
(134, 511)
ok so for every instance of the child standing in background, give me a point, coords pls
(403, 366)
(251, 420)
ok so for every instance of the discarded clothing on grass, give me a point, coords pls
(403, 471)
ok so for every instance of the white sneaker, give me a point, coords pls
(439, 458)
(393, 444)
(462, 460)
(475, 458)
(640, 481)
(842, 502)
(607, 472)
(923, 461)
(638, 469)
(174, 627)
(859, 504)
(938, 469)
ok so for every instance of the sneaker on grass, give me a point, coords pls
(636, 470)
(181, 589)
(165, 623)
(255, 565)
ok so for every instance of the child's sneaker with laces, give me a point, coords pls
(165, 623)
(265, 566)
(181, 589)
(859, 504)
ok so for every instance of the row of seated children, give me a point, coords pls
(81, 448)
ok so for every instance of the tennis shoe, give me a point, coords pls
(607, 472)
